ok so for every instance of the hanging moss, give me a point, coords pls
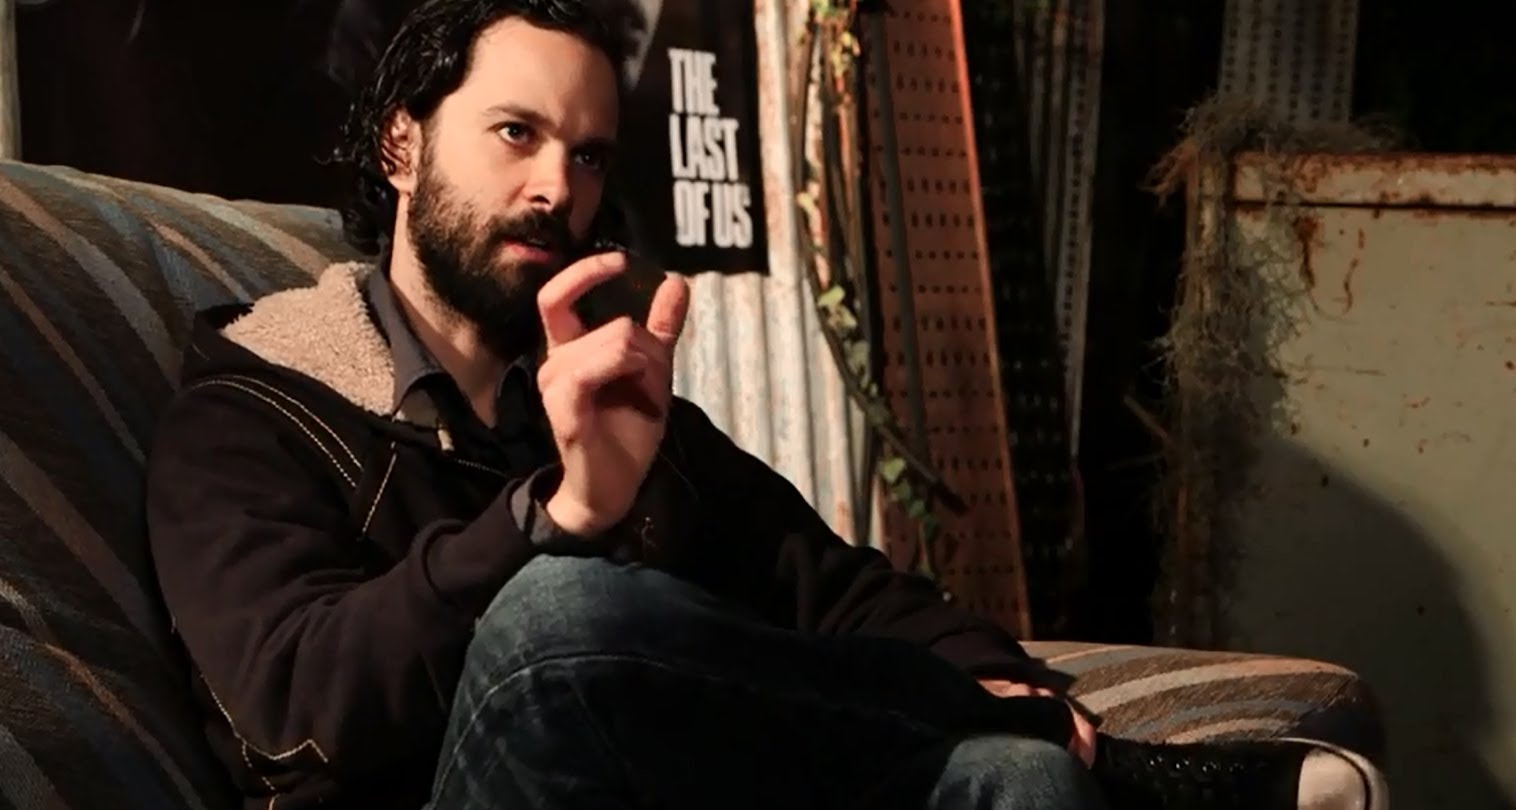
(1234, 306)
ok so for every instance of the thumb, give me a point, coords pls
(671, 304)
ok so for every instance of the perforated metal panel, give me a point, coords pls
(1295, 56)
(979, 553)
(1031, 356)
(1059, 47)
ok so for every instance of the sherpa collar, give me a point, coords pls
(324, 332)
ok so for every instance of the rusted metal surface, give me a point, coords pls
(1396, 179)
(1377, 529)
(980, 557)
(752, 354)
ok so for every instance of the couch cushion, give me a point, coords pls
(98, 280)
(1159, 694)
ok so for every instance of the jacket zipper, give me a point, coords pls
(474, 465)
(449, 453)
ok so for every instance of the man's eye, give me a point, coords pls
(515, 133)
(595, 160)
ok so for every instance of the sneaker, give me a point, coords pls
(1277, 774)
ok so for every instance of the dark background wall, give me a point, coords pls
(233, 97)
(1440, 74)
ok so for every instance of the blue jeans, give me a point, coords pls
(592, 684)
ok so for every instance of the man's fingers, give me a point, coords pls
(596, 372)
(1007, 689)
(613, 339)
(1083, 743)
(594, 375)
(608, 337)
(555, 303)
(671, 304)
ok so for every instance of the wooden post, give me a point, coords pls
(10, 91)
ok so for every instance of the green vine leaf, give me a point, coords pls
(843, 320)
(858, 358)
(830, 203)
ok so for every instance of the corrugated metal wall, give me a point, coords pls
(752, 354)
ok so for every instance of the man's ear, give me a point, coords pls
(401, 149)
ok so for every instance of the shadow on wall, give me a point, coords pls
(1329, 570)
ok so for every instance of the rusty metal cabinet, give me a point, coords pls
(1379, 528)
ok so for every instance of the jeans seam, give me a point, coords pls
(499, 684)
(693, 670)
(607, 748)
(485, 770)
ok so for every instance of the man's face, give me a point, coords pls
(510, 174)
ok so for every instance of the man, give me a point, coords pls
(429, 537)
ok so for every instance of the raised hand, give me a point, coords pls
(606, 393)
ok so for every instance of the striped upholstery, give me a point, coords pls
(98, 279)
(1158, 694)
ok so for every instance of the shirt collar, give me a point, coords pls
(413, 362)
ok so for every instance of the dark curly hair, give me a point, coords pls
(426, 61)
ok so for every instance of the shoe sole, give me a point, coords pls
(1376, 790)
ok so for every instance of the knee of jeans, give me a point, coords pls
(1033, 769)
(1040, 755)
(557, 606)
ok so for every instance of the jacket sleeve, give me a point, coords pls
(306, 647)
(775, 552)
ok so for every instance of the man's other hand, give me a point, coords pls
(1083, 743)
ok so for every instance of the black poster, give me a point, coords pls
(690, 179)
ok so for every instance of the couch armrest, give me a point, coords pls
(1175, 695)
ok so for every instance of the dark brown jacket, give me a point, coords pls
(324, 562)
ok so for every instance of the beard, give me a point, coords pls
(462, 256)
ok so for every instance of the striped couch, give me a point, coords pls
(98, 278)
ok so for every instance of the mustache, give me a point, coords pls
(541, 228)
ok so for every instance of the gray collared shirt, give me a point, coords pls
(422, 385)
(412, 361)
(520, 443)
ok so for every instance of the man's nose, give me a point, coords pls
(548, 187)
